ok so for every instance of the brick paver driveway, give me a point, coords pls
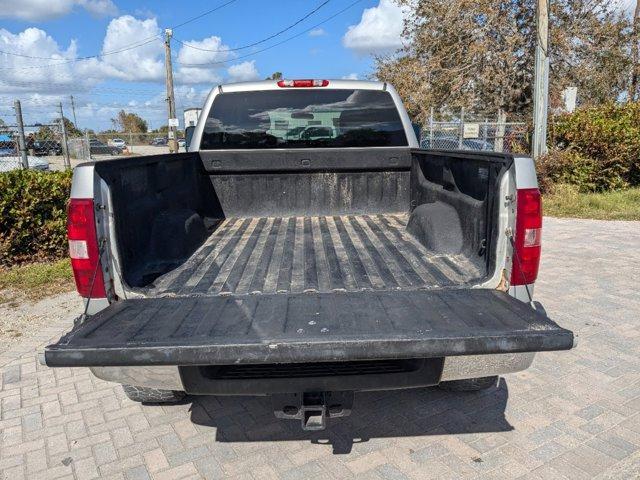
(572, 415)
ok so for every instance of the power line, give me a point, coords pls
(87, 57)
(289, 27)
(198, 17)
(78, 59)
(275, 44)
(90, 90)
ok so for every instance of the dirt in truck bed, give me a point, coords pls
(319, 253)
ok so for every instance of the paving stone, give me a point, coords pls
(11, 375)
(613, 446)
(176, 472)
(431, 452)
(138, 473)
(390, 472)
(303, 472)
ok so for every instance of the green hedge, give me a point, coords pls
(33, 216)
(595, 149)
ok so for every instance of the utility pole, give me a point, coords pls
(73, 109)
(498, 141)
(65, 144)
(461, 130)
(430, 129)
(22, 144)
(634, 86)
(173, 145)
(541, 83)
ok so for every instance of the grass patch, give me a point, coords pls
(567, 201)
(36, 280)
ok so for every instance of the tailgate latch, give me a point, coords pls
(312, 408)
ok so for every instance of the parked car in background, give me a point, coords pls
(99, 148)
(9, 160)
(46, 147)
(182, 143)
(158, 141)
(118, 142)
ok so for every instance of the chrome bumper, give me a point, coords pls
(455, 368)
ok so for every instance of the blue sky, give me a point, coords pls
(59, 32)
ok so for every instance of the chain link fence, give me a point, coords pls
(58, 144)
(42, 143)
(508, 137)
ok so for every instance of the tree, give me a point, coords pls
(129, 123)
(45, 132)
(479, 54)
(71, 129)
(163, 129)
(275, 76)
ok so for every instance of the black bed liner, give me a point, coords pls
(307, 327)
(312, 253)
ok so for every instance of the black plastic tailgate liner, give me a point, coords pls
(307, 327)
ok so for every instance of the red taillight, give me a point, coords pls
(528, 235)
(302, 83)
(83, 248)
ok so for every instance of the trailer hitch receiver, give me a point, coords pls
(312, 408)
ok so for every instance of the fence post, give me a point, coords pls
(65, 143)
(484, 132)
(500, 129)
(87, 144)
(431, 129)
(461, 133)
(130, 142)
(22, 144)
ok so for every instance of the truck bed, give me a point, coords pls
(312, 254)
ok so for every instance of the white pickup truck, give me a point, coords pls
(305, 248)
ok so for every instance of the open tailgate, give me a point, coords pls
(308, 327)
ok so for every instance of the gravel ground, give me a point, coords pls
(21, 318)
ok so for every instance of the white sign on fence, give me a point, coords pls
(570, 95)
(471, 130)
(173, 122)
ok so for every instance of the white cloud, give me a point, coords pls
(100, 8)
(243, 72)
(351, 76)
(143, 63)
(35, 10)
(379, 30)
(317, 32)
(17, 73)
(198, 52)
(41, 89)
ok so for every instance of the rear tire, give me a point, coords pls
(152, 395)
(470, 384)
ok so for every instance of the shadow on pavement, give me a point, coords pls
(400, 413)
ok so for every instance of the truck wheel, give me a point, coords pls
(470, 384)
(152, 395)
